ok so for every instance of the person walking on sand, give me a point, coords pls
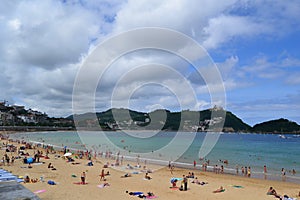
(83, 178)
(102, 175)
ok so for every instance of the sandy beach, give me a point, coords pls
(68, 173)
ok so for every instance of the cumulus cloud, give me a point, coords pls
(44, 43)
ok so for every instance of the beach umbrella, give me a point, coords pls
(29, 160)
(175, 179)
(68, 154)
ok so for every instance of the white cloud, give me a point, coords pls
(223, 28)
(41, 51)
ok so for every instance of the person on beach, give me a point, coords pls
(198, 182)
(102, 175)
(185, 182)
(26, 179)
(7, 159)
(12, 160)
(147, 176)
(283, 173)
(195, 164)
(221, 189)
(83, 178)
(249, 172)
(50, 166)
(126, 175)
(265, 169)
(273, 192)
(237, 169)
(174, 183)
(3, 161)
(172, 168)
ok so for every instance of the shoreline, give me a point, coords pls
(187, 166)
(16, 129)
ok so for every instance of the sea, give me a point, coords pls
(183, 148)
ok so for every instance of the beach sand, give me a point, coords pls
(159, 184)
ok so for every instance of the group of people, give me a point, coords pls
(102, 176)
(273, 192)
(7, 159)
(246, 171)
(218, 169)
(28, 180)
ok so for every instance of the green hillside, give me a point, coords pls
(114, 119)
(277, 126)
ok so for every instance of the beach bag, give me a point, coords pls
(51, 182)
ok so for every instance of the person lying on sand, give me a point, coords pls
(126, 175)
(141, 194)
(198, 182)
(34, 180)
(221, 189)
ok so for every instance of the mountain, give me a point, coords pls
(277, 126)
(161, 119)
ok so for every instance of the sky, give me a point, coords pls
(254, 44)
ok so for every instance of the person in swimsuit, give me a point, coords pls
(83, 176)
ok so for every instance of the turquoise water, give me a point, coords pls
(254, 150)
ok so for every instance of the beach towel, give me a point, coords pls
(39, 163)
(79, 183)
(151, 197)
(102, 186)
(237, 186)
(136, 193)
(39, 191)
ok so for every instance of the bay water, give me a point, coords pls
(239, 149)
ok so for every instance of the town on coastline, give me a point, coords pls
(17, 118)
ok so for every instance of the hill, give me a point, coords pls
(277, 126)
(187, 120)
